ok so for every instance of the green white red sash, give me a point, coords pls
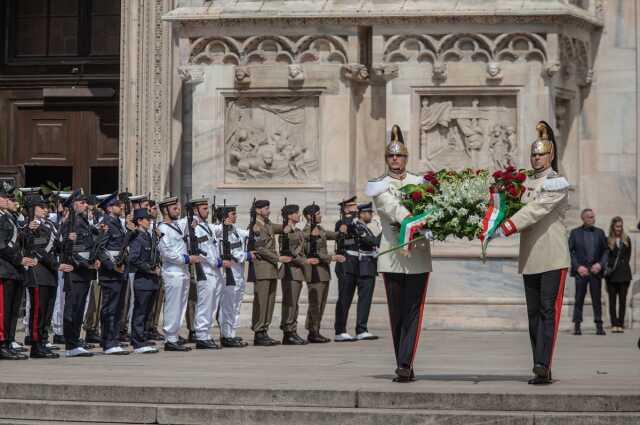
(493, 218)
(410, 227)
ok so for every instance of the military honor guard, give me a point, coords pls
(113, 273)
(232, 242)
(144, 263)
(291, 273)
(175, 271)
(265, 273)
(158, 298)
(81, 250)
(42, 280)
(405, 273)
(92, 313)
(12, 267)
(346, 271)
(367, 269)
(209, 290)
(544, 249)
(317, 272)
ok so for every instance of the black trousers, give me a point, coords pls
(544, 293)
(111, 311)
(617, 301)
(75, 299)
(43, 299)
(142, 304)
(347, 284)
(594, 285)
(406, 295)
(11, 299)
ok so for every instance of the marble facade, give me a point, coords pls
(295, 98)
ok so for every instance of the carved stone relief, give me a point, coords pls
(487, 48)
(269, 49)
(272, 140)
(576, 60)
(463, 131)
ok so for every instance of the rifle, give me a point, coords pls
(285, 249)
(340, 250)
(213, 211)
(192, 244)
(67, 245)
(28, 237)
(155, 240)
(313, 246)
(125, 198)
(226, 247)
(251, 240)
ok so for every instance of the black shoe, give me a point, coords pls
(39, 351)
(316, 338)
(600, 330)
(192, 337)
(92, 338)
(86, 345)
(7, 354)
(181, 340)
(541, 370)
(404, 375)
(155, 335)
(293, 339)
(261, 339)
(576, 329)
(58, 340)
(206, 345)
(540, 380)
(232, 343)
(51, 348)
(173, 346)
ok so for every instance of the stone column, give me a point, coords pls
(147, 98)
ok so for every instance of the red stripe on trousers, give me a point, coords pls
(35, 305)
(2, 330)
(558, 311)
(420, 317)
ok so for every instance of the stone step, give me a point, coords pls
(311, 398)
(55, 422)
(133, 413)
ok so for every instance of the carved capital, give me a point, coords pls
(242, 75)
(551, 69)
(494, 71)
(440, 71)
(356, 72)
(587, 78)
(191, 74)
(296, 73)
(384, 72)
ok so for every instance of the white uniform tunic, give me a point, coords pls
(231, 301)
(387, 197)
(209, 290)
(175, 274)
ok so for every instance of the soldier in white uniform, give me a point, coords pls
(209, 290)
(234, 258)
(175, 271)
(405, 273)
(544, 249)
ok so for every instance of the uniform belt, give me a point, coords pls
(352, 253)
(84, 254)
(114, 253)
(368, 253)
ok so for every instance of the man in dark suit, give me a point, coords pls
(588, 247)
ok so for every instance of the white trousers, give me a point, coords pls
(230, 304)
(176, 293)
(209, 294)
(58, 309)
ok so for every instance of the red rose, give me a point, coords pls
(510, 169)
(429, 176)
(430, 189)
(521, 177)
(416, 196)
(497, 174)
(513, 191)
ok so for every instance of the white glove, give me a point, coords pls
(427, 234)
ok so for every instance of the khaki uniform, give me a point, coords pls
(544, 258)
(544, 242)
(386, 195)
(317, 277)
(265, 267)
(292, 275)
(405, 274)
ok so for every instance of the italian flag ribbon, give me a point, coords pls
(493, 219)
(410, 227)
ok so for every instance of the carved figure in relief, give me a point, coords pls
(267, 140)
(459, 136)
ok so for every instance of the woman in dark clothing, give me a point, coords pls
(618, 273)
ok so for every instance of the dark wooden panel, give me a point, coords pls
(106, 136)
(63, 39)
(65, 7)
(101, 7)
(31, 37)
(105, 35)
(31, 8)
(49, 138)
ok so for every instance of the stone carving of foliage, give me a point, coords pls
(465, 48)
(575, 60)
(268, 49)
